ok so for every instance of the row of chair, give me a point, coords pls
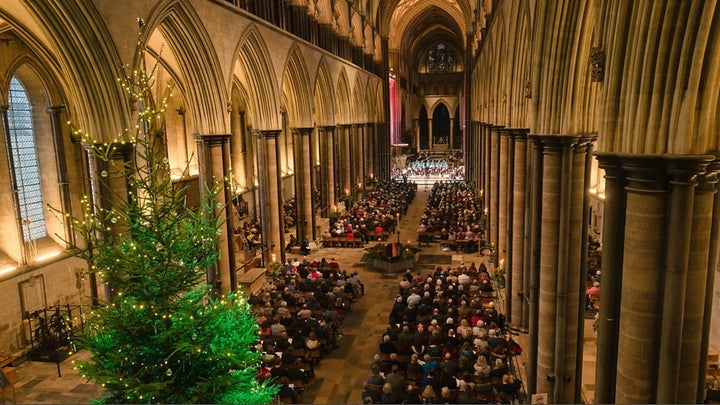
(343, 241)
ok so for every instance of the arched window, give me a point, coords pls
(25, 162)
(440, 60)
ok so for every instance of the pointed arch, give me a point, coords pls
(79, 50)
(296, 89)
(358, 106)
(436, 104)
(195, 58)
(343, 99)
(255, 71)
(324, 95)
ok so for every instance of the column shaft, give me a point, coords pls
(303, 186)
(502, 205)
(214, 162)
(713, 170)
(694, 308)
(549, 267)
(534, 283)
(612, 242)
(270, 194)
(510, 183)
(517, 258)
(641, 295)
(329, 166)
(682, 193)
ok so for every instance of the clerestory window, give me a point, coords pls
(25, 162)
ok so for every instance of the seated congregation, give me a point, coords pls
(373, 217)
(300, 314)
(453, 216)
(445, 343)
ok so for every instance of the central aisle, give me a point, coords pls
(340, 375)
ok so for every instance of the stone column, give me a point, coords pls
(452, 131)
(528, 226)
(683, 179)
(270, 194)
(495, 190)
(346, 158)
(692, 355)
(712, 174)
(303, 186)
(612, 242)
(516, 260)
(501, 202)
(509, 201)
(536, 171)
(657, 243)
(370, 149)
(110, 188)
(549, 264)
(383, 144)
(328, 167)
(22, 249)
(561, 222)
(214, 164)
(641, 295)
(487, 164)
(469, 152)
(356, 156)
(62, 171)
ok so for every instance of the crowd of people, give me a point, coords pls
(445, 343)
(378, 212)
(454, 213)
(424, 165)
(300, 314)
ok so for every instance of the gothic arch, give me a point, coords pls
(296, 89)
(358, 106)
(255, 72)
(343, 115)
(387, 9)
(196, 60)
(88, 77)
(324, 95)
(449, 106)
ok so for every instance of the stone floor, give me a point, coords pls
(340, 375)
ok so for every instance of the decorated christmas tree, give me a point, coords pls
(165, 336)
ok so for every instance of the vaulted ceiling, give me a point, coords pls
(412, 26)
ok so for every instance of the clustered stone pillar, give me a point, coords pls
(382, 169)
(303, 186)
(559, 299)
(345, 158)
(660, 211)
(502, 218)
(534, 264)
(270, 194)
(484, 175)
(328, 171)
(368, 150)
(214, 162)
(494, 190)
(55, 113)
(110, 179)
(709, 180)
(516, 258)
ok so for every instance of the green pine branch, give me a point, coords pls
(163, 338)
